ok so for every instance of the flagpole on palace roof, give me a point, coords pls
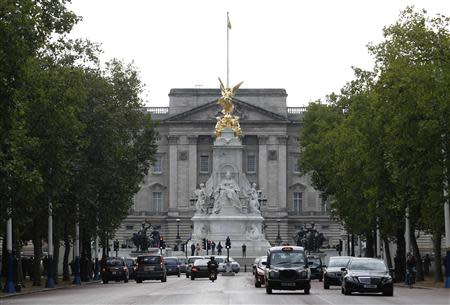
(228, 50)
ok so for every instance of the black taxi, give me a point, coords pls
(287, 269)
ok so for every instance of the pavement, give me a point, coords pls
(226, 290)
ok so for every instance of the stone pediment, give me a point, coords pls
(209, 111)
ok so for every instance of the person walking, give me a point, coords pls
(219, 249)
(197, 249)
(410, 270)
(426, 264)
(244, 250)
(192, 249)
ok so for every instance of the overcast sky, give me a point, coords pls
(306, 47)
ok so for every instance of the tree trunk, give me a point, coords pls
(3, 272)
(66, 273)
(37, 245)
(416, 253)
(387, 252)
(437, 239)
(369, 245)
(400, 259)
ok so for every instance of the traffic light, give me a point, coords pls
(162, 244)
(116, 245)
(204, 244)
(228, 242)
(209, 245)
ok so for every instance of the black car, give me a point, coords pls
(200, 269)
(150, 267)
(367, 275)
(332, 276)
(114, 269)
(172, 266)
(190, 262)
(315, 267)
(287, 269)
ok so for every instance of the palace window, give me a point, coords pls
(157, 166)
(156, 202)
(251, 163)
(204, 164)
(297, 202)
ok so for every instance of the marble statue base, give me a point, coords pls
(242, 229)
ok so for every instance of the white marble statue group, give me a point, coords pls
(227, 193)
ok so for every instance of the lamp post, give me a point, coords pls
(278, 240)
(50, 281)
(178, 238)
(9, 286)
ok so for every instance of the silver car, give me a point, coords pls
(221, 260)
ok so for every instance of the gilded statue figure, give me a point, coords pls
(226, 101)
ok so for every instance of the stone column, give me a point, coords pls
(262, 164)
(173, 172)
(192, 141)
(282, 173)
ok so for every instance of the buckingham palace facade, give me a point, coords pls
(270, 135)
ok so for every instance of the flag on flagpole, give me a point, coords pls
(228, 22)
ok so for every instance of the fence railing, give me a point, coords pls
(296, 110)
(157, 110)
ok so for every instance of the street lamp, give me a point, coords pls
(178, 228)
(278, 240)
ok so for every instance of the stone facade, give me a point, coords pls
(270, 134)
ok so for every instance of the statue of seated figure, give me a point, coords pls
(227, 194)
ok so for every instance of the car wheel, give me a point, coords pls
(342, 290)
(164, 279)
(192, 278)
(187, 275)
(257, 284)
(126, 280)
(307, 290)
(347, 291)
(268, 290)
(320, 280)
(178, 275)
(105, 281)
(326, 285)
(389, 293)
(139, 281)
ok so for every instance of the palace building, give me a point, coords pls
(270, 136)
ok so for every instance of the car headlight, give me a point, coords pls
(303, 273)
(387, 279)
(351, 278)
(274, 274)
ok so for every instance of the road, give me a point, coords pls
(226, 290)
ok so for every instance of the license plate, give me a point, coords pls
(370, 286)
(149, 268)
(114, 272)
(288, 284)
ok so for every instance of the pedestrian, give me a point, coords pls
(213, 247)
(426, 264)
(192, 249)
(219, 249)
(197, 249)
(244, 250)
(410, 270)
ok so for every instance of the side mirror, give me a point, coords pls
(324, 266)
(310, 263)
(264, 263)
(343, 269)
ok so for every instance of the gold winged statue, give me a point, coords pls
(226, 101)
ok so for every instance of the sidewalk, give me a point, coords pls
(29, 288)
(428, 283)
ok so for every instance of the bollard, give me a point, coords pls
(245, 268)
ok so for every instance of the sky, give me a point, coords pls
(305, 47)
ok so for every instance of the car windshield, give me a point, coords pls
(219, 260)
(294, 258)
(338, 262)
(372, 265)
(129, 262)
(315, 261)
(149, 259)
(193, 259)
(171, 261)
(114, 262)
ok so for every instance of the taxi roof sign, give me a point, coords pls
(286, 249)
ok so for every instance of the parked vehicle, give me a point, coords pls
(332, 275)
(366, 275)
(316, 267)
(287, 269)
(150, 267)
(199, 269)
(189, 262)
(172, 267)
(114, 269)
(260, 270)
(131, 265)
(255, 263)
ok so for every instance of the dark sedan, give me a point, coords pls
(367, 275)
(316, 267)
(114, 269)
(131, 265)
(259, 272)
(199, 269)
(332, 275)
